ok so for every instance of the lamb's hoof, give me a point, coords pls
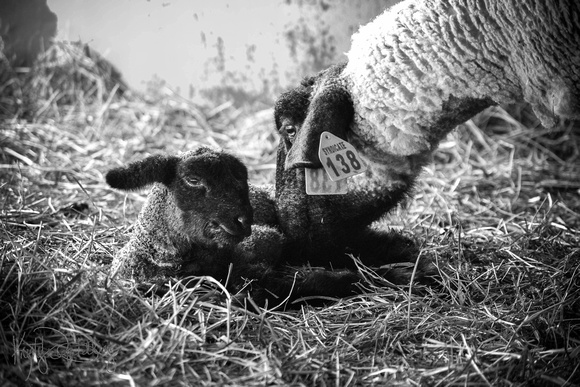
(402, 273)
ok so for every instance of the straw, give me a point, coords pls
(498, 212)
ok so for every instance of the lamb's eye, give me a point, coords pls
(192, 181)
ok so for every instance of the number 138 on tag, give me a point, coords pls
(339, 158)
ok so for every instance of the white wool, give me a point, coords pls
(404, 65)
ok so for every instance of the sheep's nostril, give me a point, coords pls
(300, 164)
(245, 224)
(297, 159)
(243, 220)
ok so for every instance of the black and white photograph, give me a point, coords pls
(290, 193)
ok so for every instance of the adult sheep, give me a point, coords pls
(202, 218)
(423, 67)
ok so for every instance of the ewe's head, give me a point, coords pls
(321, 103)
(208, 190)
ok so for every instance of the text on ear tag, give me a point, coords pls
(318, 183)
(338, 157)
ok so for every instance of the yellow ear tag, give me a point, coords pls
(339, 158)
(318, 183)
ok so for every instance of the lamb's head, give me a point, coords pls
(207, 197)
(321, 103)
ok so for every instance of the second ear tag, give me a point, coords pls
(318, 183)
(339, 158)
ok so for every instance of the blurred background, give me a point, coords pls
(208, 52)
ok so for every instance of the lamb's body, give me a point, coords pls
(159, 247)
(150, 254)
(199, 201)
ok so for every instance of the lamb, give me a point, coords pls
(423, 67)
(188, 208)
(202, 217)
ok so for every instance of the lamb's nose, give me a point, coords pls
(238, 226)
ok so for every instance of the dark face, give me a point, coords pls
(319, 104)
(211, 190)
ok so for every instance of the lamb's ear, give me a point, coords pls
(159, 168)
(330, 110)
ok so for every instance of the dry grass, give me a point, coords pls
(498, 211)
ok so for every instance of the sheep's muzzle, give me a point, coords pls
(304, 153)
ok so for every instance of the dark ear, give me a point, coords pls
(159, 168)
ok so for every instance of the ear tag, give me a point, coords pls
(319, 183)
(339, 158)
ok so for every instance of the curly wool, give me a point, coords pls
(413, 74)
(150, 252)
(423, 67)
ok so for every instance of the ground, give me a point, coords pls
(498, 211)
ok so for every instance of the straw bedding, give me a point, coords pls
(498, 211)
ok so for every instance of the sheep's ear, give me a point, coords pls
(161, 169)
(331, 110)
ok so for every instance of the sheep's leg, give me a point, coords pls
(258, 267)
(382, 251)
(376, 248)
(311, 285)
